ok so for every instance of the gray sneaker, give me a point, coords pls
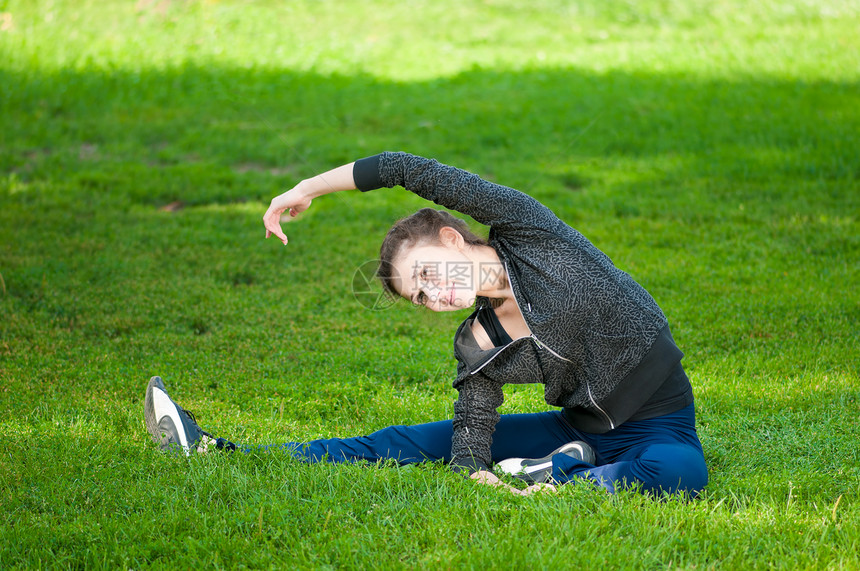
(172, 427)
(539, 470)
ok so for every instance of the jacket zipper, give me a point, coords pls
(542, 345)
(528, 305)
(597, 406)
(490, 360)
(587, 387)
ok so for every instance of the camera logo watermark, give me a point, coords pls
(368, 290)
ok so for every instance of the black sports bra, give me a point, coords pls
(490, 322)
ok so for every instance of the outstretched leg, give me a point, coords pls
(172, 427)
(517, 435)
(404, 444)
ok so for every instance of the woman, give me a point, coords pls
(550, 308)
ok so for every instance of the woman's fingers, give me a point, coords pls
(539, 488)
(272, 222)
(485, 477)
(292, 202)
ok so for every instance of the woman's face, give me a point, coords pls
(439, 277)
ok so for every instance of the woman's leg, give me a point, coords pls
(522, 435)
(660, 454)
(404, 444)
(174, 428)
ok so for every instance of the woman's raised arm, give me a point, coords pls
(298, 199)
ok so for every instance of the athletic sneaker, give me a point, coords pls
(172, 427)
(539, 470)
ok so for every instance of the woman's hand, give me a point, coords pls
(295, 200)
(298, 199)
(490, 479)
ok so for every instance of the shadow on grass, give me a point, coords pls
(188, 135)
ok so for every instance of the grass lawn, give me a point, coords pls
(710, 148)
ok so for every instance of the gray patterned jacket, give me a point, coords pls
(600, 344)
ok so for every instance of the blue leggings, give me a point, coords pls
(661, 454)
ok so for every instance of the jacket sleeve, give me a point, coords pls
(475, 418)
(504, 209)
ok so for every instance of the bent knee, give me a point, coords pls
(673, 468)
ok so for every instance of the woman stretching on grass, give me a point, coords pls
(549, 308)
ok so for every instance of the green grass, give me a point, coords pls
(710, 148)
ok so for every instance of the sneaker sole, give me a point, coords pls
(155, 383)
(149, 408)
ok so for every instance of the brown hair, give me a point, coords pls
(421, 227)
